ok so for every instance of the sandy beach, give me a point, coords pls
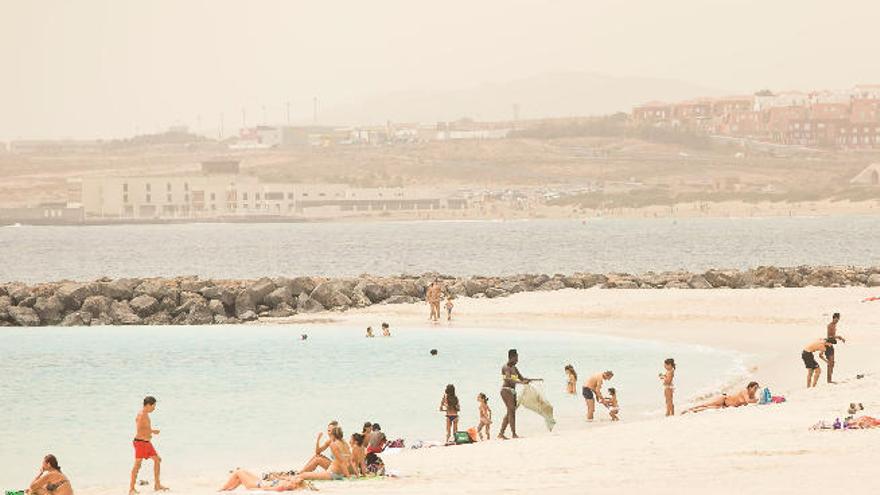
(769, 449)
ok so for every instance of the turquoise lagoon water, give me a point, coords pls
(255, 396)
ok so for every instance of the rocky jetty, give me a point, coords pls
(194, 301)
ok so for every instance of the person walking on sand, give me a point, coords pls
(592, 391)
(813, 370)
(829, 352)
(510, 378)
(485, 417)
(667, 378)
(449, 306)
(143, 446)
(433, 296)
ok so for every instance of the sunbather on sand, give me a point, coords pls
(742, 398)
(339, 467)
(251, 481)
(319, 459)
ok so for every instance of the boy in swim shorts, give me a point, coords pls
(143, 446)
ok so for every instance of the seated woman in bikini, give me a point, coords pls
(338, 470)
(745, 397)
(50, 480)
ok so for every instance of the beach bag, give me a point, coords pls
(462, 437)
(472, 432)
(766, 397)
(396, 444)
(533, 400)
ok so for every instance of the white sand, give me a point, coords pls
(765, 449)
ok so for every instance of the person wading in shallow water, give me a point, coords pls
(511, 377)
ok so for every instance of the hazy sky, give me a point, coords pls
(83, 68)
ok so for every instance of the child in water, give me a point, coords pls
(449, 306)
(386, 330)
(572, 376)
(613, 407)
(667, 378)
(449, 404)
(485, 416)
(370, 332)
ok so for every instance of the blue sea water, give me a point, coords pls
(255, 396)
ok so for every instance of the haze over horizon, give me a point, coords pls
(103, 69)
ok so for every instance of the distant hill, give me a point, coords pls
(548, 95)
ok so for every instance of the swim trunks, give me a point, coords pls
(588, 393)
(143, 449)
(452, 417)
(829, 351)
(336, 477)
(809, 360)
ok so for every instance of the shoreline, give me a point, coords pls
(766, 445)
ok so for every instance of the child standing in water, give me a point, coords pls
(449, 404)
(369, 331)
(572, 376)
(485, 416)
(668, 385)
(449, 306)
(613, 406)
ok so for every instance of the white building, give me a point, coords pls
(221, 192)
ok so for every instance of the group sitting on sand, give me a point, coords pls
(357, 458)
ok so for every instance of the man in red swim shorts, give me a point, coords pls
(143, 448)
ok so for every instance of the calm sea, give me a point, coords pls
(31, 253)
(255, 396)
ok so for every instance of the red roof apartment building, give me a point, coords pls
(838, 123)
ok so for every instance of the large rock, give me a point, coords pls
(306, 304)
(698, 281)
(400, 300)
(476, 286)
(260, 289)
(217, 307)
(122, 314)
(77, 319)
(403, 287)
(282, 311)
(73, 295)
(200, 314)
(24, 316)
(724, 278)
(187, 301)
(278, 297)
(159, 318)
(49, 309)
(874, 280)
(243, 303)
(157, 289)
(593, 279)
(457, 289)
(375, 292)
(144, 305)
(301, 285)
(768, 276)
(5, 304)
(552, 284)
(97, 306)
(494, 292)
(119, 289)
(19, 292)
(193, 284)
(334, 293)
(248, 316)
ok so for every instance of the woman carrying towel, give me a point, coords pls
(510, 378)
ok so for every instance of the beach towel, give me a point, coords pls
(462, 437)
(532, 399)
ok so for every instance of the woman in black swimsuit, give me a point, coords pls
(50, 480)
(511, 377)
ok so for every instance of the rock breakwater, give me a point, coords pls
(195, 301)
